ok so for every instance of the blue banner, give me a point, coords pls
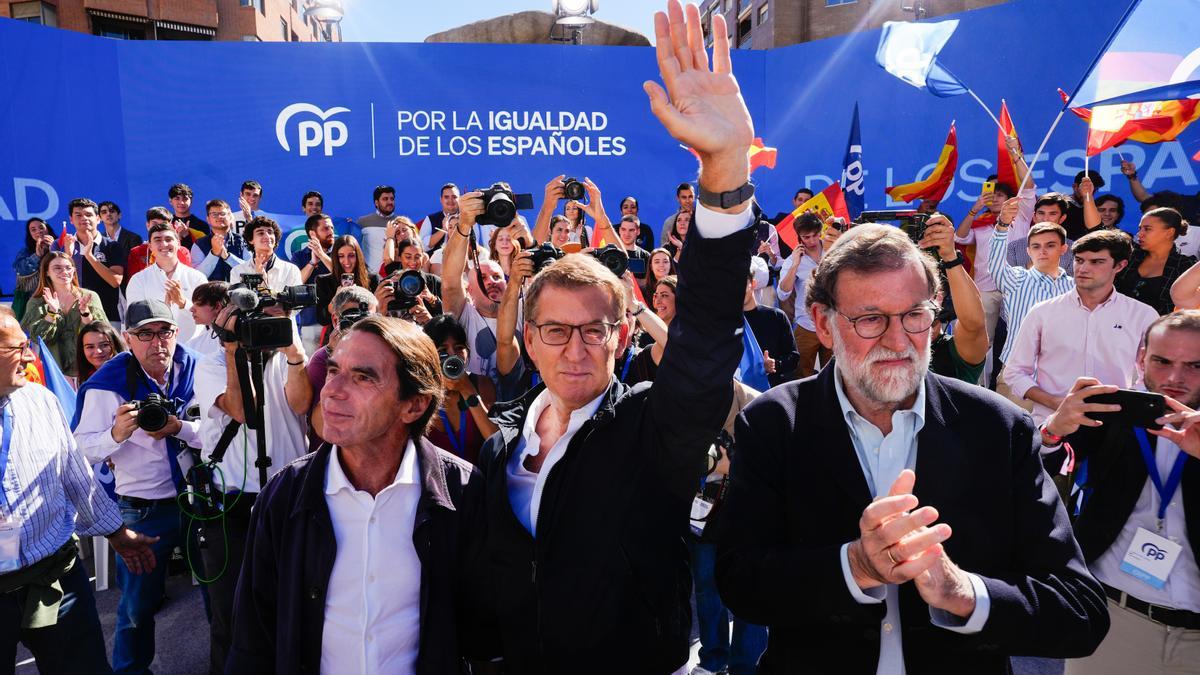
(853, 186)
(123, 120)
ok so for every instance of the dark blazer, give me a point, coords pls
(797, 492)
(127, 239)
(279, 607)
(605, 585)
(327, 286)
(1116, 475)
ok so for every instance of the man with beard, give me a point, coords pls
(374, 225)
(433, 228)
(1155, 616)
(892, 519)
(477, 308)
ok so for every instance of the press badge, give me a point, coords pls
(10, 544)
(1150, 558)
(701, 507)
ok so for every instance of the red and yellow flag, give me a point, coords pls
(1150, 122)
(935, 186)
(1006, 168)
(759, 154)
(827, 202)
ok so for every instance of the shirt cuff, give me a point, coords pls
(971, 624)
(872, 596)
(716, 225)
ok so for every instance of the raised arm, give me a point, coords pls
(508, 348)
(970, 333)
(1140, 193)
(595, 209)
(703, 109)
(454, 257)
(1091, 215)
(553, 193)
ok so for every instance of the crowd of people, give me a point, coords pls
(487, 449)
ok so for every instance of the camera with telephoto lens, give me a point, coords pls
(405, 290)
(153, 413)
(500, 205)
(573, 189)
(910, 221)
(543, 255)
(613, 258)
(453, 367)
(253, 327)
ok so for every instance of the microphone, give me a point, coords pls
(243, 298)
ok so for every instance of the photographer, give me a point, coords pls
(287, 396)
(466, 396)
(589, 482)
(1142, 488)
(118, 416)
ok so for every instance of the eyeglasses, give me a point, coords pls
(557, 334)
(18, 348)
(148, 335)
(871, 326)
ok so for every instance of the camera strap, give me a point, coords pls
(231, 430)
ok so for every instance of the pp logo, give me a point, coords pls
(1151, 551)
(312, 133)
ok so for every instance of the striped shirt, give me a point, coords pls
(1022, 288)
(48, 484)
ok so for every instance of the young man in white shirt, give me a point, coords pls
(263, 235)
(167, 280)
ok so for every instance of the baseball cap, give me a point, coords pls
(142, 312)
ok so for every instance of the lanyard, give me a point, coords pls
(628, 360)
(1167, 491)
(4, 452)
(459, 441)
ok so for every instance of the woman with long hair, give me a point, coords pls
(349, 269)
(501, 249)
(399, 229)
(462, 424)
(97, 343)
(645, 364)
(39, 239)
(60, 308)
(661, 265)
(678, 234)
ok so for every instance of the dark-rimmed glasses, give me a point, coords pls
(148, 335)
(916, 320)
(558, 334)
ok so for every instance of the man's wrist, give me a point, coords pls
(859, 568)
(726, 171)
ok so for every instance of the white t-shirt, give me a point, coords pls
(152, 283)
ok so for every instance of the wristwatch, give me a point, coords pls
(471, 401)
(948, 264)
(726, 200)
(640, 308)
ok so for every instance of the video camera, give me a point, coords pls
(501, 205)
(254, 329)
(910, 221)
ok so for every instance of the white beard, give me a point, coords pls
(894, 385)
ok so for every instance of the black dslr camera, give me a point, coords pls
(254, 329)
(910, 221)
(543, 255)
(613, 258)
(573, 189)
(405, 290)
(453, 367)
(501, 205)
(349, 317)
(153, 413)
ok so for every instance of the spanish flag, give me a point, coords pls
(827, 202)
(1150, 122)
(1006, 168)
(759, 154)
(935, 186)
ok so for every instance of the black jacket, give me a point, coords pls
(1116, 475)
(605, 585)
(279, 607)
(796, 495)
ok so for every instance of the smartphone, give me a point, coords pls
(347, 279)
(1138, 408)
(989, 187)
(837, 223)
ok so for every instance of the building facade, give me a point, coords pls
(244, 20)
(764, 24)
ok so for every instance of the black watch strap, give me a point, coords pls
(947, 264)
(468, 402)
(727, 200)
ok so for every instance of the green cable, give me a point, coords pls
(192, 516)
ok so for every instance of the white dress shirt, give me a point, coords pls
(803, 273)
(373, 601)
(285, 430)
(1061, 340)
(140, 463)
(281, 275)
(1182, 590)
(882, 458)
(151, 283)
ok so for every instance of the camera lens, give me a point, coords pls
(500, 209)
(410, 284)
(573, 189)
(453, 367)
(151, 417)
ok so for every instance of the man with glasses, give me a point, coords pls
(218, 253)
(888, 518)
(589, 483)
(47, 495)
(148, 463)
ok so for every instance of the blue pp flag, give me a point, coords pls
(1152, 55)
(910, 50)
(752, 370)
(853, 180)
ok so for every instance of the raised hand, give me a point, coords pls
(1129, 169)
(701, 107)
(1186, 433)
(1072, 412)
(1008, 212)
(51, 300)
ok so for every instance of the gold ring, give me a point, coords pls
(891, 557)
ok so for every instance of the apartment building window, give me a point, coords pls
(35, 12)
(283, 29)
(762, 14)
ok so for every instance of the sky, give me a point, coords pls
(413, 20)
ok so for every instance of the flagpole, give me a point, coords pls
(985, 108)
(1029, 173)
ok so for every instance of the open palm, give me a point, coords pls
(705, 109)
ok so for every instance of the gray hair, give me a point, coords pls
(865, 249)
(353, 295)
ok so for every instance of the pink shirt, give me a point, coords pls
(1061, 340)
